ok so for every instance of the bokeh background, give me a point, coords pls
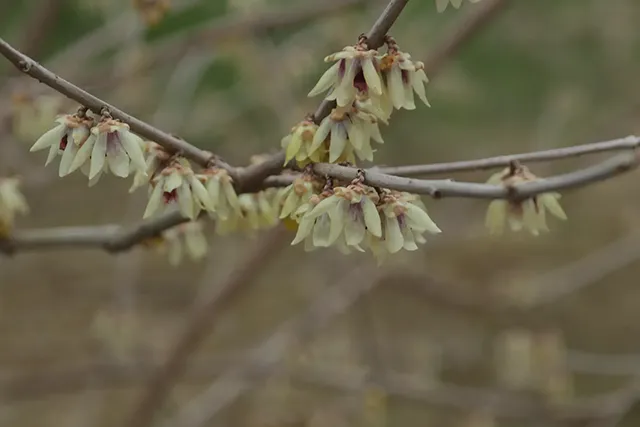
(471, 330)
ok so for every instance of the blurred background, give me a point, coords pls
(469, 331)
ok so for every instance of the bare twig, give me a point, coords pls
(621, 144)
(199, 325)
(447, 188)
(37, 71)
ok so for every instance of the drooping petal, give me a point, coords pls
(354, 231)
(98, 154)
(67, 158)
(155, 201)
(185, 200)
(396, 87)
(53, 152)
(321, 134)
(132, 144)
(323, 207)
(291, 203)
(338, 141)
(550, 201)
(371, 76)
(392, 235)
(201, 193)
(83, 154)
(496, 216)
(304, 229)
(322, 232)
(117, 158)
(50, 137)
(295, 143)
(371, 217)
(328, 79)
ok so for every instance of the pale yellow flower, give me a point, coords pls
(295, 195)
(156, 158)
(441, 5)
(224, 200)
(355, 71)
(403, 77)
(298, 143)
(348, 132)
(12, 202)
(186, 238)
(177, 185)
(257, 212)
(111, 147)
(349, 213)
(529, 214)
(404, 221)
(65, 139)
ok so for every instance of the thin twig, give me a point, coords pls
(199, 325)
(37, 71)
(621, 144)
(447, 188)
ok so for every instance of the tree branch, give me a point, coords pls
(68, 89)
(621, 144)
(447, 188)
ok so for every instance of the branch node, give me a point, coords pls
(24, 65)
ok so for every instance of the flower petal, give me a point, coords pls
(50, 137)
(98, 154)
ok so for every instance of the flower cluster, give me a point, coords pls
(441, 5)
(12, 203)
(93, 146)
(366, 87)
(529, 214)
(357, 216)
(257, 211)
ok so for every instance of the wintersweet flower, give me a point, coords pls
(347, 133)
(157, 158)
(349, 212)
(405, 220)
(186, 238)
(111, 147)
(355, 71)
(441, 5)
(527, 214)
(403, 77)
(177, 185)
(295, 195)
(298, 143)
(257, 212)
(65, 139)
(12, 202)
(224, 200)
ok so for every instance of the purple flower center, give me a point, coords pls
(63, 143)
(359, 82)
(405, 76)
(170, 196)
